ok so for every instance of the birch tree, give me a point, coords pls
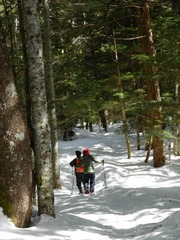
(15, 150)
(40, 128)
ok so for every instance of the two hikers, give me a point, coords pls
(88, 174)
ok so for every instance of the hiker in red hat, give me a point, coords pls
(89, 174)
(79, 170)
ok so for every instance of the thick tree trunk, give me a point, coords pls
(15, 150)
(27, 87)
(158, 152)
(153, 90)
(41, 136)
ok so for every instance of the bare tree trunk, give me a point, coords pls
(51, 96)
(176, 148)
(41, 136)
(138, 139)
(122, 107)
(148, 148)
(15, 150)
(103, 118)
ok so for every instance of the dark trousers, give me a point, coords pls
(89, 181)
(80, 181)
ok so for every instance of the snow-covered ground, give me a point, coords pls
(139, 203)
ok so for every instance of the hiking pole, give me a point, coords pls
(72, 180)
(105, 185)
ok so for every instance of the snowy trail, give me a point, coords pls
(139, 203)
(135, 202)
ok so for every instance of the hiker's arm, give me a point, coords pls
(94, 160)
(72, 163)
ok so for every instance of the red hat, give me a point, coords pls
(86, 151)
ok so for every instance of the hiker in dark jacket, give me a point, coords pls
(89, 174)
(79, 170)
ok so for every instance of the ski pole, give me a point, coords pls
(72, 180)
(105, 184)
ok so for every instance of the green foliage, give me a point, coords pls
(162, 134)
(87, 60)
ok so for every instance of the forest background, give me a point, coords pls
(81, 62)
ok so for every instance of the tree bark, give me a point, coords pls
(51, 95)
(122, 105)
(27, 87)
(15, 150)
(176, 147)
(41, 136)
(152, 85)
(103, 118)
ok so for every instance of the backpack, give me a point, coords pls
(77, 163)
(78, 166)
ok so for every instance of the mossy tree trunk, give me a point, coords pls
(15, 149)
